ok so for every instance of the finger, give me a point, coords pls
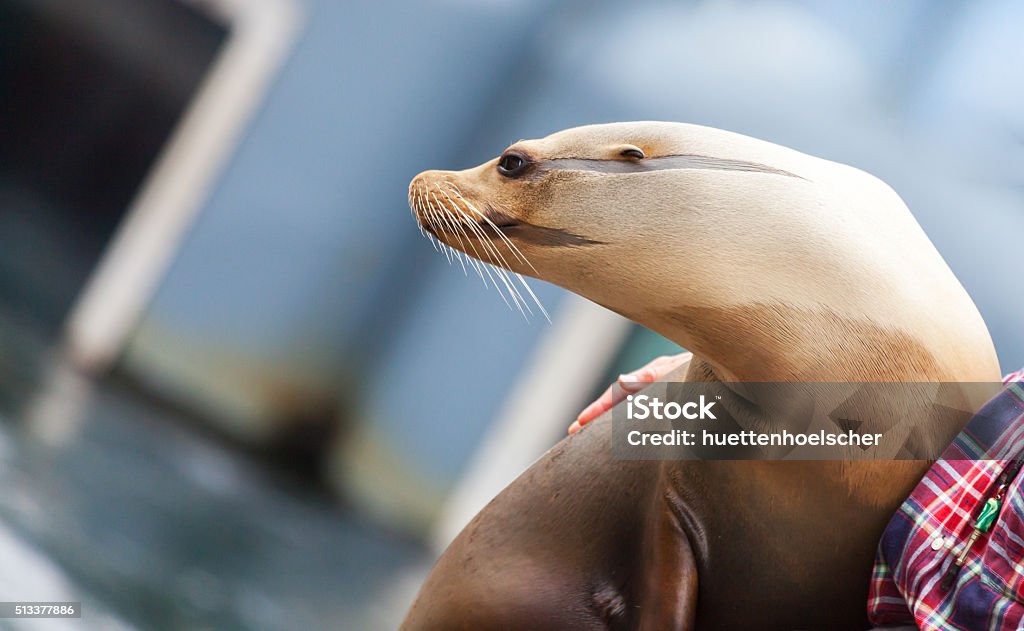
(628, 383)
(596, 409)
(588, 414)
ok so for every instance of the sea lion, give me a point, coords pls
(769, 265)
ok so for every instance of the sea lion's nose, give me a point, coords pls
(432, 196)
(430, 181)
(434, 176)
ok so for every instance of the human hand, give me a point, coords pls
(628, 384)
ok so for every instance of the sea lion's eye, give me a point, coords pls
(632, 152)
(511, 164)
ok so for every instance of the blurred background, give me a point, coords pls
(239, 390)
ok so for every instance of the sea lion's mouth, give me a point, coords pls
(497, 230)
(457, 220)
(471, 230)
(496, 220)
(443, 211)
(452, 220)
(506, 230)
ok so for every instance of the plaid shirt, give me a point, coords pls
(933, 524)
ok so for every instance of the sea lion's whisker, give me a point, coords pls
(451, 222)
(465, 272)
(479, 233)
(450, 216)
(512, 246)
(487, 241)
(475, 262)
(434, 221)
(419, 206)
(495, 227)
(518, 299)
(424, 214)
(522, 280)
(457, 257)
(414, 204)
(514, 294)
(502, 272)
(503, 275)
(487, 266)
(430, 238)
(498, 271)
(437, 221)
(492, 271)
(534, 296)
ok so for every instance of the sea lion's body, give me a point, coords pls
(583, 541)
(770, 266)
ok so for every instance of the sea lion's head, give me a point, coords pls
(666, 223)
(656, 215)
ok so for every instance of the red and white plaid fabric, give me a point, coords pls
(931, 527)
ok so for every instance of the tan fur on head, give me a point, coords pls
(770, 264)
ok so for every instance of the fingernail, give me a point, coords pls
(575, 427)
(629, 382)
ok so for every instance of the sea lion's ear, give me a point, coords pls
(630, 152)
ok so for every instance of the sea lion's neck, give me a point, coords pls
(772, 342)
